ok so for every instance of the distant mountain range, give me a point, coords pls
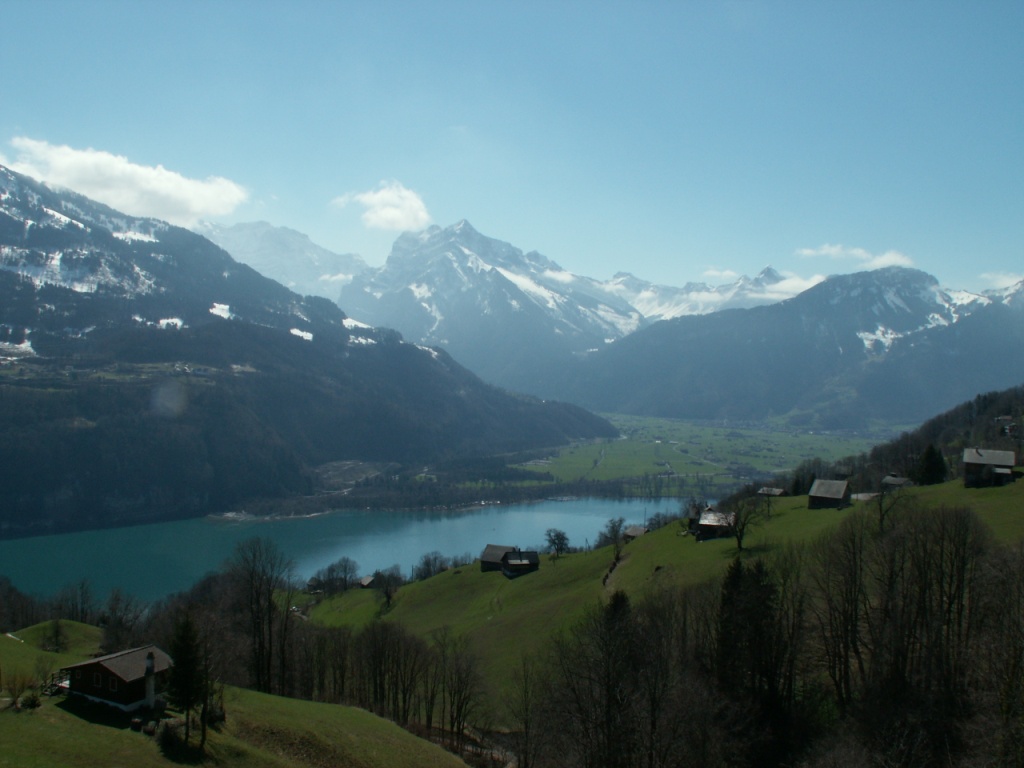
(514, 317)
(146, 374)
(888, 345)
(81, 282)
(287, 256)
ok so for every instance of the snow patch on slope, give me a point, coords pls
(534, 290)
(130, 237)
(221, 310)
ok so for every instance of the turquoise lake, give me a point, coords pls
(152, 561)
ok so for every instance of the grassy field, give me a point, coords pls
(705, 457)
(508, 618)
(261, 730)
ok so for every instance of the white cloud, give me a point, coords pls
(390, 206)
(867, 259)
(1001, 279)
(726, 275)
(138, 190)
(790, 285)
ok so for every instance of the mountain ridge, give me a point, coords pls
(287, 256)
(479, 297)
(888, 344)
(145, 374)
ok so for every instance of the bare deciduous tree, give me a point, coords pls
(259, 569)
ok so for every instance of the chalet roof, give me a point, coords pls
(769, 491)
(991, 458)
(493, 553)
(521, 558)
(895, 481)
(712, 517)
(131, 664)
(634, 531)
(829, 489)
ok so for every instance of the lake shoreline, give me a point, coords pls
(156, 560)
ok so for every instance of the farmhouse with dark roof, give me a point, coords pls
(983, 467)
(128, 680)
(829, 494)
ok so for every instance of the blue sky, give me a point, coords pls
(679, 141)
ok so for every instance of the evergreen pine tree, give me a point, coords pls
(931, 469)
(187, 684)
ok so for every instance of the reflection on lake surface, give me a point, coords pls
(151, 561)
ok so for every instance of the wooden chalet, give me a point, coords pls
(517, 562)
(128, 680)
(829, 494)
(511, 561)
(984, 467)
(491, 557)
(713, 524)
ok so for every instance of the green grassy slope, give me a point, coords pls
(261, 730)
(24, 651)
(507, 618)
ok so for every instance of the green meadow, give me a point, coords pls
(506, 619)
(261, 730)
(706, 458)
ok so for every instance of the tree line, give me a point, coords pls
(931, 453)
(899, 647)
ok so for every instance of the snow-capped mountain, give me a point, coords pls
(149, 375)
(662, 302)
(520, 320)
(287, 256)
(890, 344)
(506, 313)
(69, 266)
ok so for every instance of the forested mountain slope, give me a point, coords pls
(144, 374)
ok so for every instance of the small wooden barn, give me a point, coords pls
(829, 494)
(713, 524)
(984, 467)
(516, 562)
(491, 557)
(128, 680)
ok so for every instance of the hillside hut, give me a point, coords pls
(713, 524)
(516, 562)
(128, 680)
(829, 494)
(491, 559)
(984, 467)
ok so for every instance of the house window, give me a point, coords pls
(78, 674)
(97, 679)
(113, 683)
